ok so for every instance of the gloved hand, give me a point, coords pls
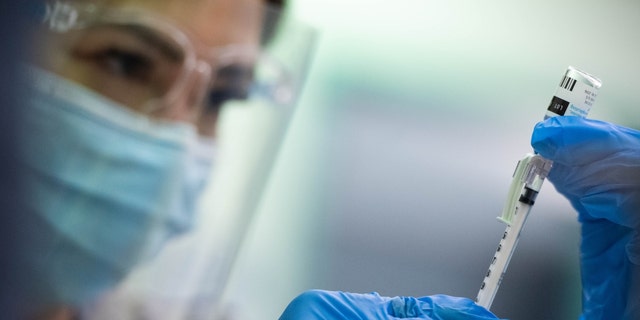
(317, 304)
(597, 167)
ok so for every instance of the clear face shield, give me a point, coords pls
(128, 103)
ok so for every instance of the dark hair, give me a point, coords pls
(278, 3)
(272, 21)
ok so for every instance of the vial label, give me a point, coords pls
(573, 98)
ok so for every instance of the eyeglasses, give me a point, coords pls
(146, 62)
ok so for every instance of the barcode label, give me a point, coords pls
(568, 83)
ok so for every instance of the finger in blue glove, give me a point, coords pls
(319, 304)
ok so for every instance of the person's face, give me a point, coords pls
(138, 63)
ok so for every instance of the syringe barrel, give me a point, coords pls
(575, 95)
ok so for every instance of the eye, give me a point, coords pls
(126, 64)
(219, 96)
(232, 83)
(119, 54)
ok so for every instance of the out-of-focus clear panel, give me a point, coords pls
(188, 279)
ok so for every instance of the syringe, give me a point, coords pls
(574, 97)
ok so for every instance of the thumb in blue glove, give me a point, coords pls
(318, 304)
(597, 168)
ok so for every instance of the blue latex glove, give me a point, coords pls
(318, 304)
(597, 167)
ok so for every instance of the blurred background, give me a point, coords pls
(400, 154)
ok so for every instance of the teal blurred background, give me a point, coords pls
(399, 157)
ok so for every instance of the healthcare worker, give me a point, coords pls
(119, 124)
(118, 132)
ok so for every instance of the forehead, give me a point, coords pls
(211, 22)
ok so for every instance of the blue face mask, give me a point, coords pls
(106, 187)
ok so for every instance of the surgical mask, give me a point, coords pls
(106, 186)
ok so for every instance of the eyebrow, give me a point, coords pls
(152, 38)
